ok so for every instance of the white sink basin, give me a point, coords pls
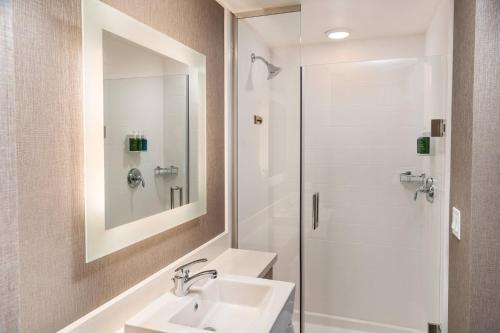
(228, 304)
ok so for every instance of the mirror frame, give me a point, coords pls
(97, 17)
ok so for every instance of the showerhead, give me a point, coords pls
(273, 70)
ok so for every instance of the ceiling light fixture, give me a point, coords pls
(336, 34)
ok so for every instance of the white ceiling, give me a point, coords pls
(365, 18)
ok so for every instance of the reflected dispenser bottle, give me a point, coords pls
(139, 141)
(144, 142)
(133, 142)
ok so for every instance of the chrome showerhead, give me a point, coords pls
(273, 70)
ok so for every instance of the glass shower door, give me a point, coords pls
(268, 126)
(371, 252)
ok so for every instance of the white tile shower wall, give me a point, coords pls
(193, 138)
(253, 99)
(269, 154)
(132, 104)
(437, 35)
(437, 50)
(174, 136)
(434, 166)
(367, 259)
(284, 165)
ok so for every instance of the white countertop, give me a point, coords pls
(247, 305)
(243, 262)
(112, 315)
(248, 263)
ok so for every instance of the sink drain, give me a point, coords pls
(211, 329)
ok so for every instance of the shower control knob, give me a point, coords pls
(134, 178)
(426, 187)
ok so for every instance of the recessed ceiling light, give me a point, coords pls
(340, 33)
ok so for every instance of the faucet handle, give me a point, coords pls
(183, 270)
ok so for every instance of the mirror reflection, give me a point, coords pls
(150, 152)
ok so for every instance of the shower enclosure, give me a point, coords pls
(321, 150)
(372, 261)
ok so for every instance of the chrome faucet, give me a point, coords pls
(182, 280)
(426, 187)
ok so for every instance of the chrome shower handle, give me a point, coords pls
(426, 187)
(315, 211)
(135, 178)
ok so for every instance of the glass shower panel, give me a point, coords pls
(269, 141)
(372, 263)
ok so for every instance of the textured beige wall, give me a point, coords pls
(474, 294)
(56, 285)
(9, 258)
(461, 164)
(485, 188)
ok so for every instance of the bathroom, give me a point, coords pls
(314, 166)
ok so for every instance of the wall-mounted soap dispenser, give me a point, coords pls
(133, 143)
(423, 145)
(137, 142)
(144, 142)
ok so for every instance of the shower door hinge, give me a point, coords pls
(434, 328)
(438, 128)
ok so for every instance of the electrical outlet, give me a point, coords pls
(455, 223)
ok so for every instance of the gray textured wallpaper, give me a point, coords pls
(474, 294)
(9, 261)
(485, 213)
(56, 285)
(461, 164)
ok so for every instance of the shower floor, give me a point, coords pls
(318, 324)
(316, 328)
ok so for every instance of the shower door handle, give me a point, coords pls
(315, 210)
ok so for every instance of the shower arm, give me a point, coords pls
(271, 69)
(254, 57)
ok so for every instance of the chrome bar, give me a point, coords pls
(188, 159)
(172, 196)
(234, 133)
(409, 177)
(315, 210)
(172, 170)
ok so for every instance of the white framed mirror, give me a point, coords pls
(144, 130)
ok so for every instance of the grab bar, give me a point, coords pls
(172, 170)
(172, 196)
